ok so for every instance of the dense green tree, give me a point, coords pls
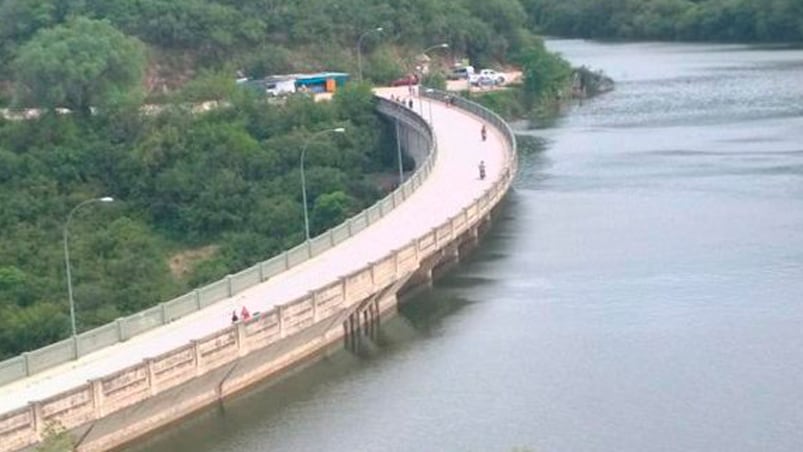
(330, 209)
(708, 20)
(78, 65)
(544, 74)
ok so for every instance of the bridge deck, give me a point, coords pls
(453, 185)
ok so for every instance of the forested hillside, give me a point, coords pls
(198, 196)
(694, 20)
(276, 36)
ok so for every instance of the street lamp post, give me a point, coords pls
(67, 255)
(442, 45)
(399, 154)
(303, 180)
(430, 91)
(359, 49)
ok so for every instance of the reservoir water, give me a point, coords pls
(642, 289)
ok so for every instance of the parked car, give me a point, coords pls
(461, 73)
(487, 77)
(409, 79)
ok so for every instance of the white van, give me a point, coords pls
(462, 73)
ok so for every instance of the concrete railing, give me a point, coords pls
(112, 393)
(122, 329)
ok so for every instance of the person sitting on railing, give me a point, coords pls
(234, 317)
(245, 314)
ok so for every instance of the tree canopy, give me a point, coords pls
(78, 65)
(695, 20)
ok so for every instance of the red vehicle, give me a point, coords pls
(409, 79)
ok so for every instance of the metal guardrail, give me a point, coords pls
(124, 328)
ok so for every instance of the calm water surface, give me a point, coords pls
(642, 290)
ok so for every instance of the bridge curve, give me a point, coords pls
(309, 297)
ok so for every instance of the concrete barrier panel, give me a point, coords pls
(71, 408)
(358, 223)
(359, 286)
(444, 233)
(245, 279)
(329, 299)
(320, 244)
(297, 255)
(373, 213)
(125, 388)
(173, 368)
(17, 429)
(426, 245)
(262, 330)
(143, 321)
(406, 260)
(180, 306)
(459, 223)
(340, 233)
(100, 337)
(297, 315)
(384, 272)
(12, 369)
(398, 197)
(218, 349)
(50, 356)
(273, 266)
(214, 292)
(471, 213)
(386, 204)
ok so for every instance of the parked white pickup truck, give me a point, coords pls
(487, 77)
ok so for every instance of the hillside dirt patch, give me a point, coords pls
(182, 263)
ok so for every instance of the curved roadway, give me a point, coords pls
(453, 185)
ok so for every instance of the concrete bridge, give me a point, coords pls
(120, 381)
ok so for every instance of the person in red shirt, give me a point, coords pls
(244, 314)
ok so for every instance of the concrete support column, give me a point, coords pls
(152, 385)
(97, 397)
(121, 332)
(38, 420)
(26, 363)
(372, 266)
(280, 313)
(242, 341)
(314, 307)
(196, 353)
